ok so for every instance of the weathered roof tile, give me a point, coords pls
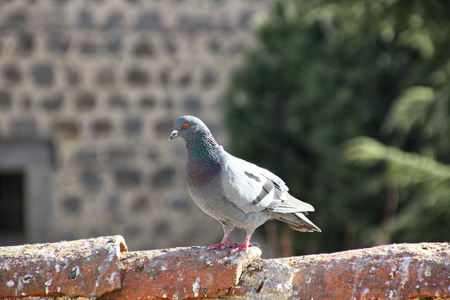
(181, 273)
(101, 268)
(87, 268)
(397, 271)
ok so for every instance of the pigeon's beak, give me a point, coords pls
(173, 135)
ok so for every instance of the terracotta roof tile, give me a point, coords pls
(100, 268)
(181, 273)
(398, 271)
(86, 268)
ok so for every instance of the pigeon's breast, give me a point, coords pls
(202, 173)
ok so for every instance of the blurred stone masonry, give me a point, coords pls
(103, 81)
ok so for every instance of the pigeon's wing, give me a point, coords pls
(254, 189)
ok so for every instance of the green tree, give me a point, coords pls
(325, 72)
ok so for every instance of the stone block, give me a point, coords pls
(164, 76)
(170, 46)
(5, 100)
(149, 20)
(120, 153)
(163, 178)
(101, 127)
(113, 21)
(26, 102)
(113, 206)
(185, 80)
(192, 103)
(53, 103)
(91, 179)
(214, 46)
(12, 73)
(140, 204)
(162, 227)
(72, 205)
(113, 45)
(23, 127)
(209, 78)
(25, 43)
(43, 74)
(57, 43)
(128, 177)
(65, 128)
(195, 23)
(85, 101)
(147, 102)
(153, 155)
(143, 49)
(88, 48)
(106, 77)
(133, 230)
(163, 127)
(85, 19)
(236, 48)
(85, 156)
(181, 204)
(15, 20)
(116, 100)
(168, 103)
(133, 126)
(72, 77)
(137, 76)
(244, 19)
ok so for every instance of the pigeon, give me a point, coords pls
(235, 192)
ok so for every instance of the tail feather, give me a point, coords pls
(298, 221)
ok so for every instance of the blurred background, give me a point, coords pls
(347, 101)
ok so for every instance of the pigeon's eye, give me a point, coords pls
(185, 125)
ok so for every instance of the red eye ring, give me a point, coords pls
(185, 125)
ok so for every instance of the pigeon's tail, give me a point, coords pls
(298, 221)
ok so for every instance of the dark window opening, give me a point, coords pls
(12, 199)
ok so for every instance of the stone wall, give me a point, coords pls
(103, 81)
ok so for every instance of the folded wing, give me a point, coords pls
(254, 189)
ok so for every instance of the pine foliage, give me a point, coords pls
(348, 101)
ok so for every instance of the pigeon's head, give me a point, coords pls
(187, 126)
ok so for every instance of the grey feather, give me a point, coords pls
(299, 222)
(292, 205)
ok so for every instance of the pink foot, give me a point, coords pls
(223, 244)
(239, 248)
(244, 246)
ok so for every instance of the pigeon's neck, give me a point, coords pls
(204, 158)
(203, 147)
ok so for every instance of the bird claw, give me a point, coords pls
(239, 248)
(222, 245)
(235, 247)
